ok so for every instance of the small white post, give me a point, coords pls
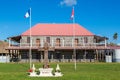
(52, 57)
(41, 58)
(63, 42)
(63, 58)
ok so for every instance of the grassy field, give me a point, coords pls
(85, 71)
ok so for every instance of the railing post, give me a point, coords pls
(83, 43)
(52, 42)
(72, 42)
(63, 43)
(41, 42)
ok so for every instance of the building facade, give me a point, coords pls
(66, 43)
(4, 55)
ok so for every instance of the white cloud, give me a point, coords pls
(68, 2)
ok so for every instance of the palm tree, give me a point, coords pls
(115, 37)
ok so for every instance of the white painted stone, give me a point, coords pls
(33, 68)
(58, 71)
(58, 74)
(33, 74)
(57, 68)
(45, 72)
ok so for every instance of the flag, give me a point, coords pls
(72, 15)
(27, 14)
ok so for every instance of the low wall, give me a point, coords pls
(4, 59)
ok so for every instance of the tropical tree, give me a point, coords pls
(115, 37)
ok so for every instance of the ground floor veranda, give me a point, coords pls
(61, 55)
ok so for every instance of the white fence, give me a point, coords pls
(4, 59)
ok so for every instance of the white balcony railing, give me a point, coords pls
(58, 45)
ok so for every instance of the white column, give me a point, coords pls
(52, 57)
(63, 58)
(83, 42)
(41, 42)
(72, 42)
(41, 58)
(63, 42)
(52, 42)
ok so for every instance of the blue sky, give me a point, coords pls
(101, 17)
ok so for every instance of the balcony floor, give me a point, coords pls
(64, 48)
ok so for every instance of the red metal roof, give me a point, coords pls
(57, 30)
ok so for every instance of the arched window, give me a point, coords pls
(28, 39)
(48, 39)
(37, 42)
(76, 42)
(86, 39)
(58, 42)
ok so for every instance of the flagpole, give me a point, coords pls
(74, 50)
(30, 51)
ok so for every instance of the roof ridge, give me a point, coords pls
(56, 23)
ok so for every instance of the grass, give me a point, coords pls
(85, 71)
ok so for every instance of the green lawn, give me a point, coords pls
(85, 71)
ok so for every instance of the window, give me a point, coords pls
(58, 42)
(86, 39)
(37, 42)
(48, 39)
(76, 42)
(28, 39)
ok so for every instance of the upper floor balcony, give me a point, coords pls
(59, 45)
